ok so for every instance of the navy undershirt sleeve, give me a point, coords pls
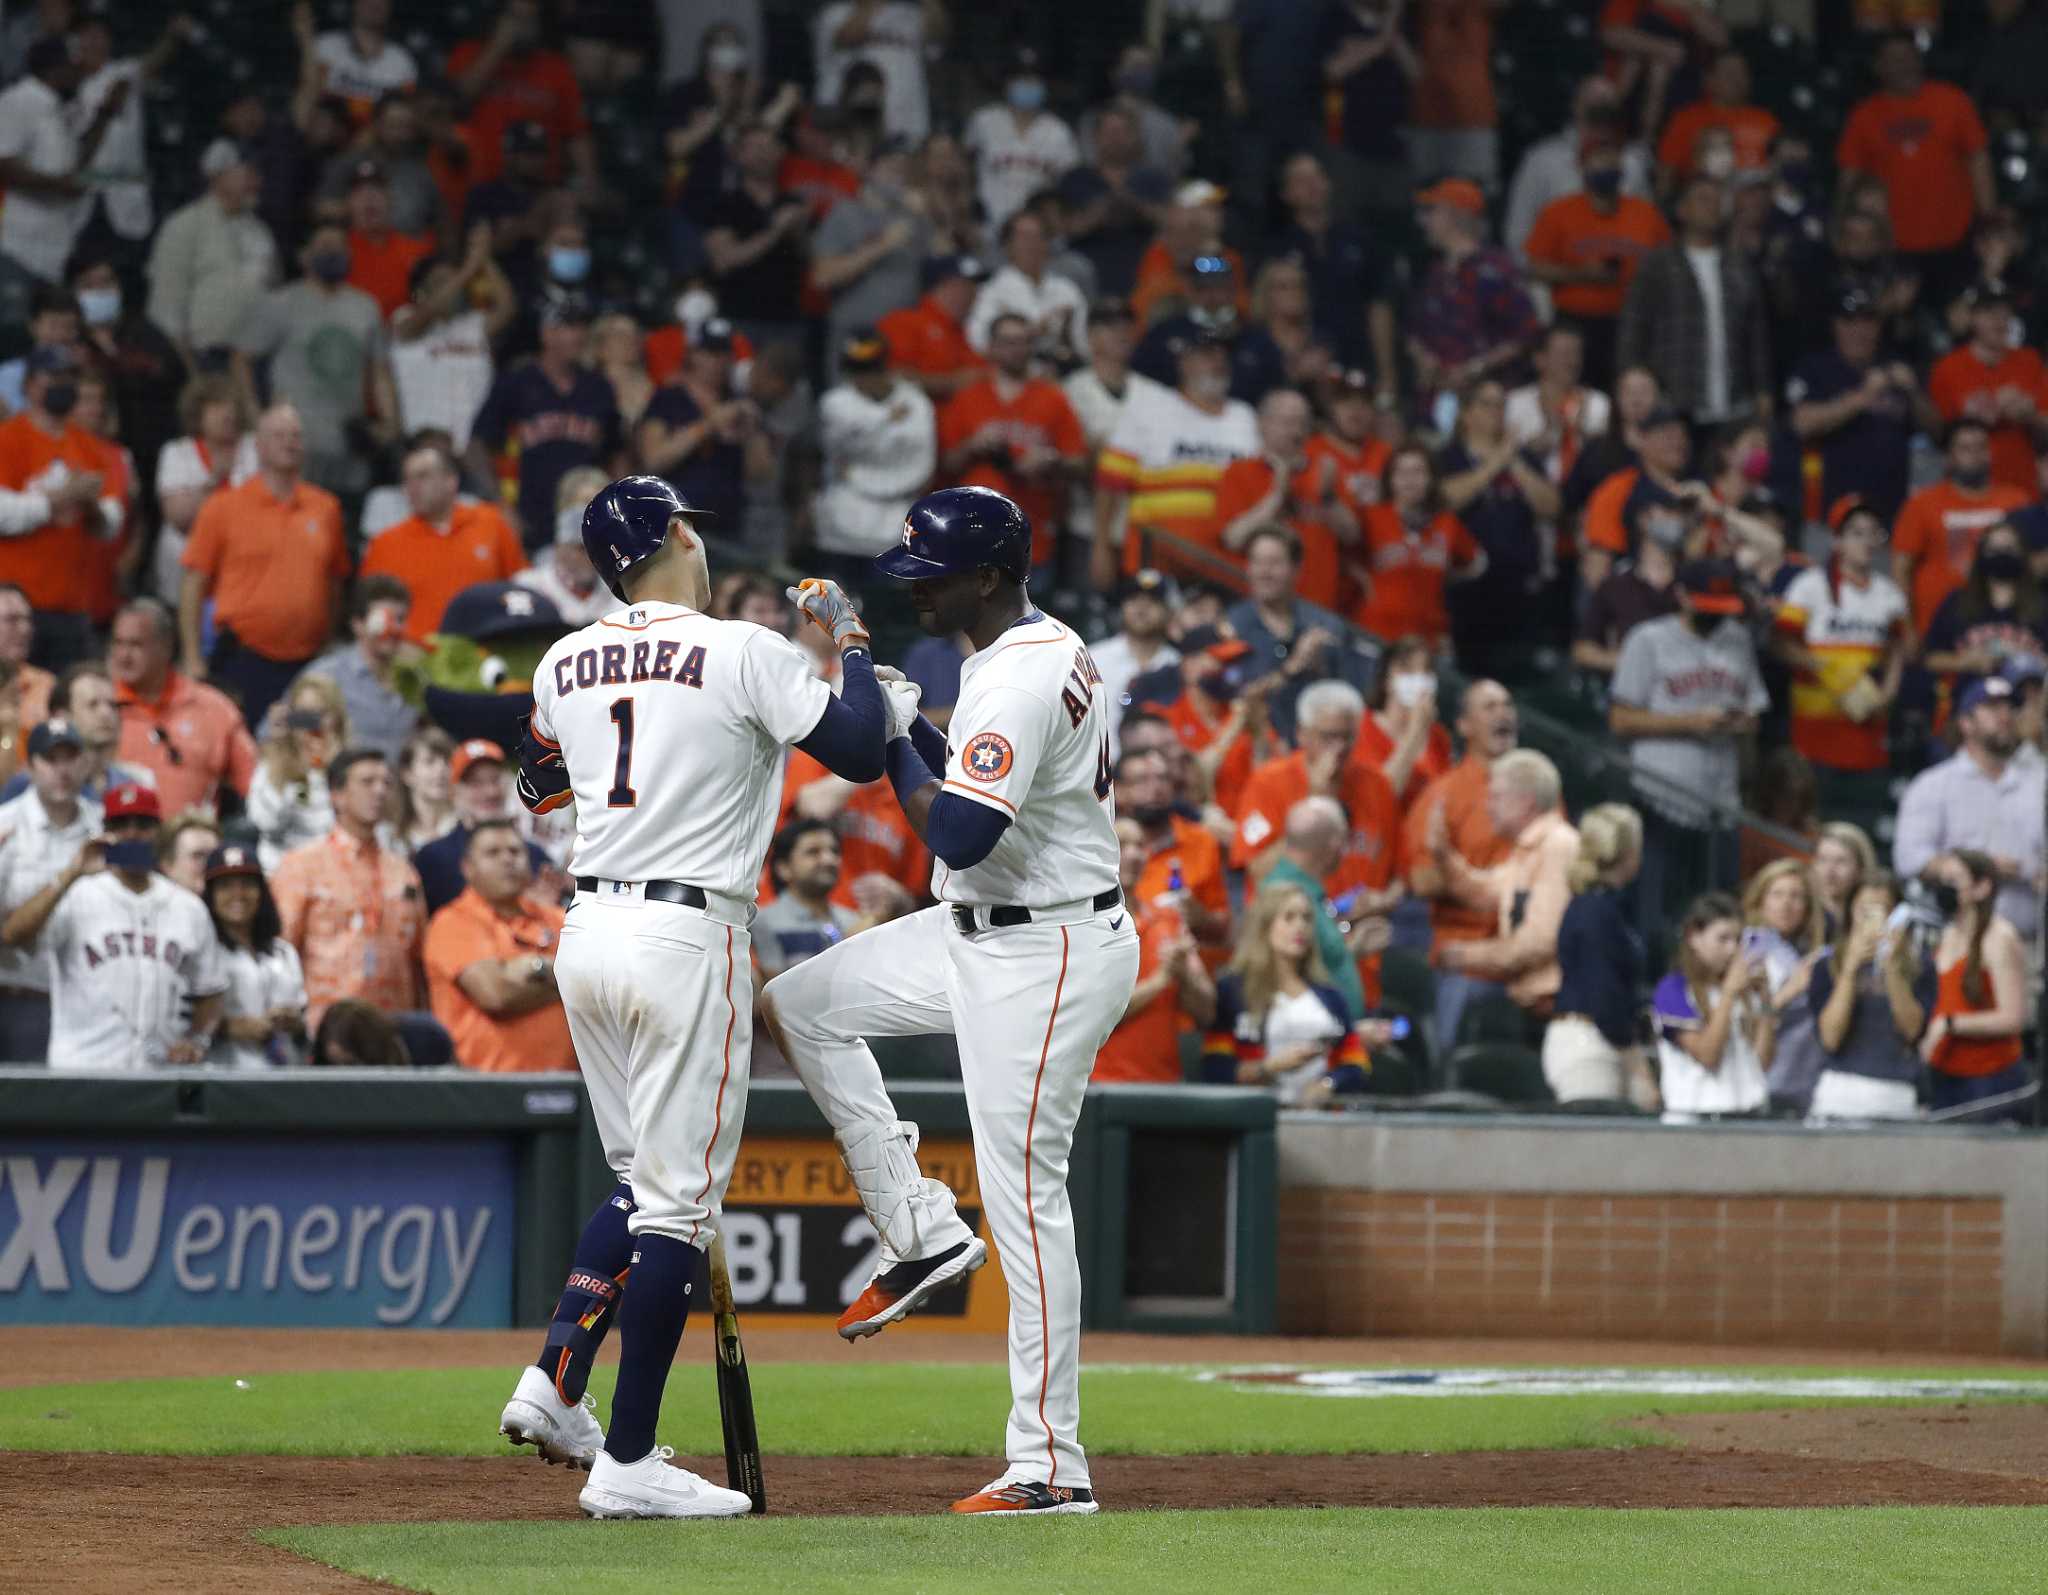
(847, 739)
(960, 831)
(930, 743)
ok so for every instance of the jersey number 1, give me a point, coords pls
(622, 795)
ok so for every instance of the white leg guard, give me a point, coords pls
(914, 1217)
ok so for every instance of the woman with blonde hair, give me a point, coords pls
(1279, 1022)
(1785, 926)
(1591, 1047)
(565, 574)
(1843, 859)
(288, 800)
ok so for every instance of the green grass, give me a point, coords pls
(816, 1409)
(1926, 1551)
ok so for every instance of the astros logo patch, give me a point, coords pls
(988, 758)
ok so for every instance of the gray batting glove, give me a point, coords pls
(830, 610)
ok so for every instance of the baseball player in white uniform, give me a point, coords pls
(1028, 960)
(667, 730)
(135, 968)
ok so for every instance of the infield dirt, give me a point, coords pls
(115, 1525)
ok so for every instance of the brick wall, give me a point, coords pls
(1917, 1273)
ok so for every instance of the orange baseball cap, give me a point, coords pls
(477, 750)
(1458, 193)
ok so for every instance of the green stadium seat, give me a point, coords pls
(1502, 1070)
(1492, 1018)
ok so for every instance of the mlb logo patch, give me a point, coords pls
(987, 758)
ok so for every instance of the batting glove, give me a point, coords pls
(901, 698)
(830, 610)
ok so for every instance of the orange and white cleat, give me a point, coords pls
(1028, 1496)
(898, 1291)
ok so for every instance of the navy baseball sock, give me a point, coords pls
(590, 1299)
(665, 1276)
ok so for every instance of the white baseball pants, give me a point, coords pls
(1029, 1006)
(659, 999)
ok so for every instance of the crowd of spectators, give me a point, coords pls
(1355, 404)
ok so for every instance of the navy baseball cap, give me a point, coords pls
(491, 609)
(715, 335)
(1147, 583)
(942, 268)
(54, 733)
(232, 860)
(1986, 689)
(566, 310)
(52, 357)
(2023, 671)
(1712, 586)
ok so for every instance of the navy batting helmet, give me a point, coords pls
(961, 528)
(628, 522)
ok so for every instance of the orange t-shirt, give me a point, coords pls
(1361, 468)
(192, 739)
(1375, 746)
(663, 350)
(1454, 39)
(1244, 483)
(1145, 1048)
(925, 340)
(1462, 792)
(103, 554)
(1751, 126)
(468, 931)
(1939, 530)
(271, 565)
(1409, 572)
(1919, 147)
(1196, 733)
(1038, 417)
(1960, 375)
(478, 546)
(536, 86)
(1200, 857)
(1572, 231)
(53, 563)
(874, 837)
(383, 269)
(1372, 853)
(1159, 280)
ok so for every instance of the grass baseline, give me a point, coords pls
(1482, 1551)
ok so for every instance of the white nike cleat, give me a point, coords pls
(653, 1487)
(536, 1416)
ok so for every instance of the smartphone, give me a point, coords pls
(1341, 906)
(1753, 943)
(1399, 1028)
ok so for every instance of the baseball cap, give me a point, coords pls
(232, 860)
(1985, 689)
(1845, 506)
(863, 350)
(131, 802)
(52, 357)
(1200, 192)
(54, 733)
(1209, 266)
(1110, 308)
(1854, 304)
(492, 609)
(477, 750)
(2023, 671)
(1989, 291)
(1711, 586)
(1454, 193)
(715, 335)
(366, 172)
(1660, 415)
(525, 138)
(1214, 641)
(1354, 382)
(1194, 339)
(222, 155)
(1147, 583)
(565, 310)
(939, 268)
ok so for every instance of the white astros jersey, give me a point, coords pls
(123, 967)
(671, 726)
(1030, 737)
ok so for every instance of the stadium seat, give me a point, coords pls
(1502, 1070)
(1492, 1018)
(1396, 1071)
(1604, 1108)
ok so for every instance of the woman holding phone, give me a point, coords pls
(288, 802)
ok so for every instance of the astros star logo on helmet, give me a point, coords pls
(987, 758)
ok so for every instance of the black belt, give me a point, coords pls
(1003, 918)
(656, 891)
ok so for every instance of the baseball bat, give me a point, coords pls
(735, 1393)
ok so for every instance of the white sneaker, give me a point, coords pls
(535, 1416)
(653, 1488)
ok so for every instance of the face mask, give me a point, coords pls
(694, 308)
(1796, 174)
(568, 265)
(1947, 900)
(60, 398)
(1974, 479)
(330, 265)
(1151, 814)
(1603, 184)
(1138, 80)
(1027, 94)
(1213, 320)
(1208, 389)
(2002, 566)
(1718, 163)
(136, 855)
(1703, 625)
(569, 526)
(101, 307)
(727, 58)
(1412, 688)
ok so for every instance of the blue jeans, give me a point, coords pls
(1454, 992)
(1955, 1090)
